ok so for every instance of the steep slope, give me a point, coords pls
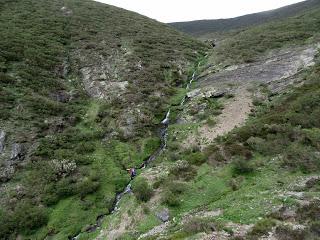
(82, 87)
(260, 179)
(205, 27)
(247, 45)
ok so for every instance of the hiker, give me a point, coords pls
(132, 172)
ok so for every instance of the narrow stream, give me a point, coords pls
(163, 137)
(188, 87)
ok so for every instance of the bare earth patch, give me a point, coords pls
(276, 70)
(233, 115)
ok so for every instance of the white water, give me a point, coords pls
(188, 86)
(119, 197)
(164, 135)
(165, 121)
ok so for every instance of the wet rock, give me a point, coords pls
(90, 228)
(16, 152)
(2, 140)
(163, 215)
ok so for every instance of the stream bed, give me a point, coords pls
(163, 137)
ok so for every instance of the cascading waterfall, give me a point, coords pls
(163, 136)
(188, 86)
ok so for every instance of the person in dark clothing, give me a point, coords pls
(132, 172)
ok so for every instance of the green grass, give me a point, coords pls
(42, 51)
(149, 222)
(278, 144)
(57, 200)
(216, 27)
(249, 44)
(208, 186)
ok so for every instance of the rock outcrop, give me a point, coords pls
(209, 92)
(2, 140)
(16, 152)
(163, 215)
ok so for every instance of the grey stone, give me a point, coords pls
(2, 140)
(163, 215)
(289, 214)
(6, 173)
(16, 152)
(194, 93)
(208, 92)
(214, 93)
(276, 69)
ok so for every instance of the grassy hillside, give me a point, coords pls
(258, 179)
(206, 27)
(250, 175)
(247, 45)
(82, 87)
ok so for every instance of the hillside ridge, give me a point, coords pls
(202, 27)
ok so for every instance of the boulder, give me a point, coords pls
(163, 215)
(194, 93)
(2, 140)
(215, 93)
(6, 173)
(209, 92)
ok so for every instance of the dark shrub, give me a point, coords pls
(27, 216)
(86, 186)
(196, 158)
(242, 166)
(171, 199)
(315, 228)
(120, 183)
(235, 183)
(299, 157)
(85, 147)
(6, 79)
(310, 212)
(287, 233)
(142, 189)
(176, 187)
(235, 149)
(199, 225)
(182, 169)
(262, 227)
